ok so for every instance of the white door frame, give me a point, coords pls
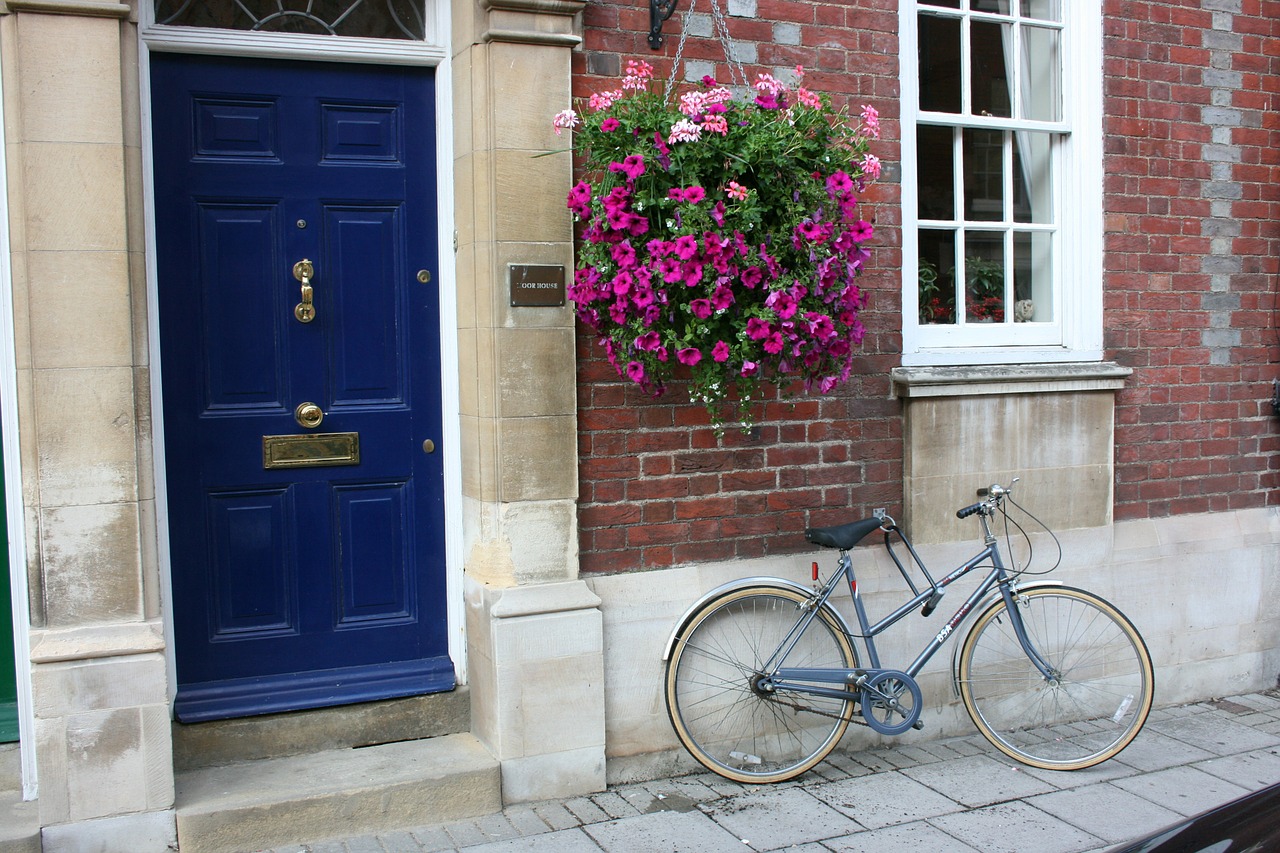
(434, 52)
(15, 515)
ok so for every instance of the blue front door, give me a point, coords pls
(297, 273)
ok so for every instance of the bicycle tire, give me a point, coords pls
(1092, 710)
(729, 727)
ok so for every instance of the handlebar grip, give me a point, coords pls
(969, 510)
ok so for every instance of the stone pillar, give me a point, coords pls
(98, 671)
(534, 630)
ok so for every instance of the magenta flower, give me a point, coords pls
(839, 183)
(758, 329)
(700, 308)
(610, 124)
(721, 298)
(648, 342)
(632, 166)
(623, 255)
(720, 352)
(686, 247)
(693, 195)
(862, 230)
(689, 356)
(635, 371)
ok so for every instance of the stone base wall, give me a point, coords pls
(1203, 590)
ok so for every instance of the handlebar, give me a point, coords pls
(993, 494)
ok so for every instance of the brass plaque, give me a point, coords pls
(538, 286)
(311, 451)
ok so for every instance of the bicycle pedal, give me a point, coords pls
(918, 725)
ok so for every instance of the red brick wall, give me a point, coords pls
(657, 487)
(1192, 178)
(1190, 303)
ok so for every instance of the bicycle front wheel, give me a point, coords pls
(1098, 694)
(730, 726)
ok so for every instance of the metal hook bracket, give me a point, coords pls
(659, 12)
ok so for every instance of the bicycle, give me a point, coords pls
(763, 676)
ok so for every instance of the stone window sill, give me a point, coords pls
(1007, 379)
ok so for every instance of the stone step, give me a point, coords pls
(19, 824)
(221, 742)
(334, 794)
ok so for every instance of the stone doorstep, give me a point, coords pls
(303, 732)
(334, 794)
(19, 824)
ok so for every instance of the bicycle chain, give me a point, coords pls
(855, 719)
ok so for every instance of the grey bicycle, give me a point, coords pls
(763, 674)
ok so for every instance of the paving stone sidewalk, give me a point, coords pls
(948, 795)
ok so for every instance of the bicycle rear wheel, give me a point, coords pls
(729, 726)
(1095, 703)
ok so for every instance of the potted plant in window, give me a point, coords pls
(721, 237)
(984, 290)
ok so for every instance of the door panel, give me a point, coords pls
(299, 586)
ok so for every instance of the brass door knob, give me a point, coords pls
(308, 415)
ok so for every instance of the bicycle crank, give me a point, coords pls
(891, 702)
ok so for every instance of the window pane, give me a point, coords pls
(1000, 7)
(1032, 277)
(989, 53)
(387, 19)
(939, 64)
(937, 276)
(983, 174)
(935, 169)
(1032, 178)
(1041, 74)
(942, 4)
(1044, 10)
(984, 277)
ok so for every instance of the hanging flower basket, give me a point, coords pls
(721, 236)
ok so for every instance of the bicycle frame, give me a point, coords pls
(782, 678)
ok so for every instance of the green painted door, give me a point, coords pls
(8, 675)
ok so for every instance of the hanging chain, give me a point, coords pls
(721, 26)
(722, 30)
(675, 63)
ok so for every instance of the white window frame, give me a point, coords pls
(1075, 331)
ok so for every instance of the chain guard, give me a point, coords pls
(891, 702)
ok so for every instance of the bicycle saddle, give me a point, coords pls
(842, 536)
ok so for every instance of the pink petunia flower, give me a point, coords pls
(632, 166)
(720, 352)
(610, 124)
(700, 308)
(689, 356)
(648, 342)
(758, 329)
(635, 371)
(686, 246)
